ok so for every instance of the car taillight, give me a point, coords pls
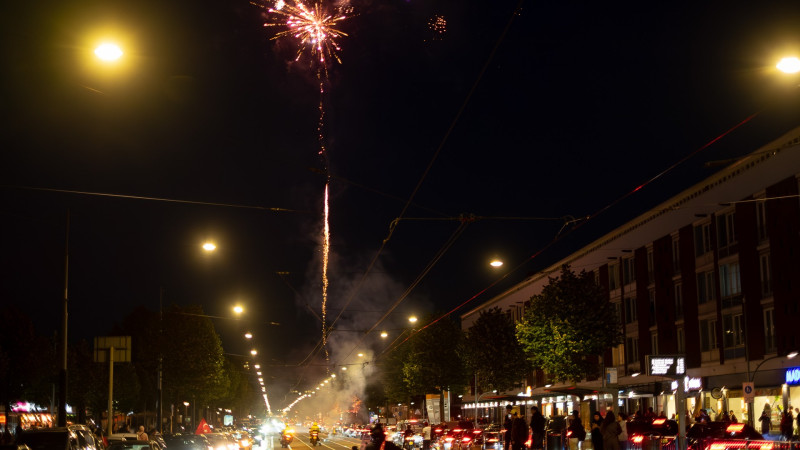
(477, 431)
(448, 439)
(569, 433)
(466, 439)
(637, 439)
(740, 443)
(437, 431)
(659, 421)
(457, 430)
(528, 443)
(492, 440)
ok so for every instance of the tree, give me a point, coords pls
(193, 357)
(429, 362)
(568, 325)
(493, 353)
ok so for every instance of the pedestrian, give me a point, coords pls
(786, 426)
(537, 428)
(765, 421)
(610, 430)
(519, 433)
(797, 419)
(576, 432)
(507, 427)
(141, 435)
(426, 436)
(378, 440)
(733, 417)
(597, 435)
(622, 419)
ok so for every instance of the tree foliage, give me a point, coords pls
(568, 325)
(493, 353)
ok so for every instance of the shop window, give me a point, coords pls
(730, 279)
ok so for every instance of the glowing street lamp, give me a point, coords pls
(253, 352)
(108, 52)
(789, 65)
(384, 334)
(238, 309)
(496, 263)
(412, 319)
(248, 335)
(209, 246)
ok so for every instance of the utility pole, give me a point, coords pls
(62, 374)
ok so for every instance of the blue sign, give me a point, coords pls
(793, 375)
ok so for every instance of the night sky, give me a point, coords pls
(524, 114)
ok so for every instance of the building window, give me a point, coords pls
(681, 340)
(654, 343)
(761, 220)
(705, 286)
(650, 265)
(726, 232)
(631, 350)
(730, 279)
(613, 276)
(769, 330)
(651, 299)
(678, 300)
(628, 274)
(733, 332)
(676, 256)
(708, 335)
(702, 239)
(766, 274)
(630, 310)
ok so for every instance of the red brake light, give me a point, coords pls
(457, 430)
(735, 427)
(476, 431)
(438, 430)
(528, 443)
(659, 421)
(449, 438)
(492, 440)
(637, 439)
(569, 433)
(466, 439)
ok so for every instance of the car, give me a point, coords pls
(643, 430)
(723, 436)
(186, 442)
(221, 441)
(72, 437)
(133, 445)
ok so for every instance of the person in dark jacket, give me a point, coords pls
(507, 427)
(610, 430)
(765, 421)
(786, 426)
(519, 433)
(537, 428)
(597, 435)
(576, 431)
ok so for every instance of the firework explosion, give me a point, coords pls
(314, 26)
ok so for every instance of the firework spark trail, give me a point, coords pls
(315, 28)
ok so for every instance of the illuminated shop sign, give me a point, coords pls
(793, 375)
(689, 384)
(665, 365)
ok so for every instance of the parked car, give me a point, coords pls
(72, 437)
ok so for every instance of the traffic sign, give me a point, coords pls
(748, 392)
